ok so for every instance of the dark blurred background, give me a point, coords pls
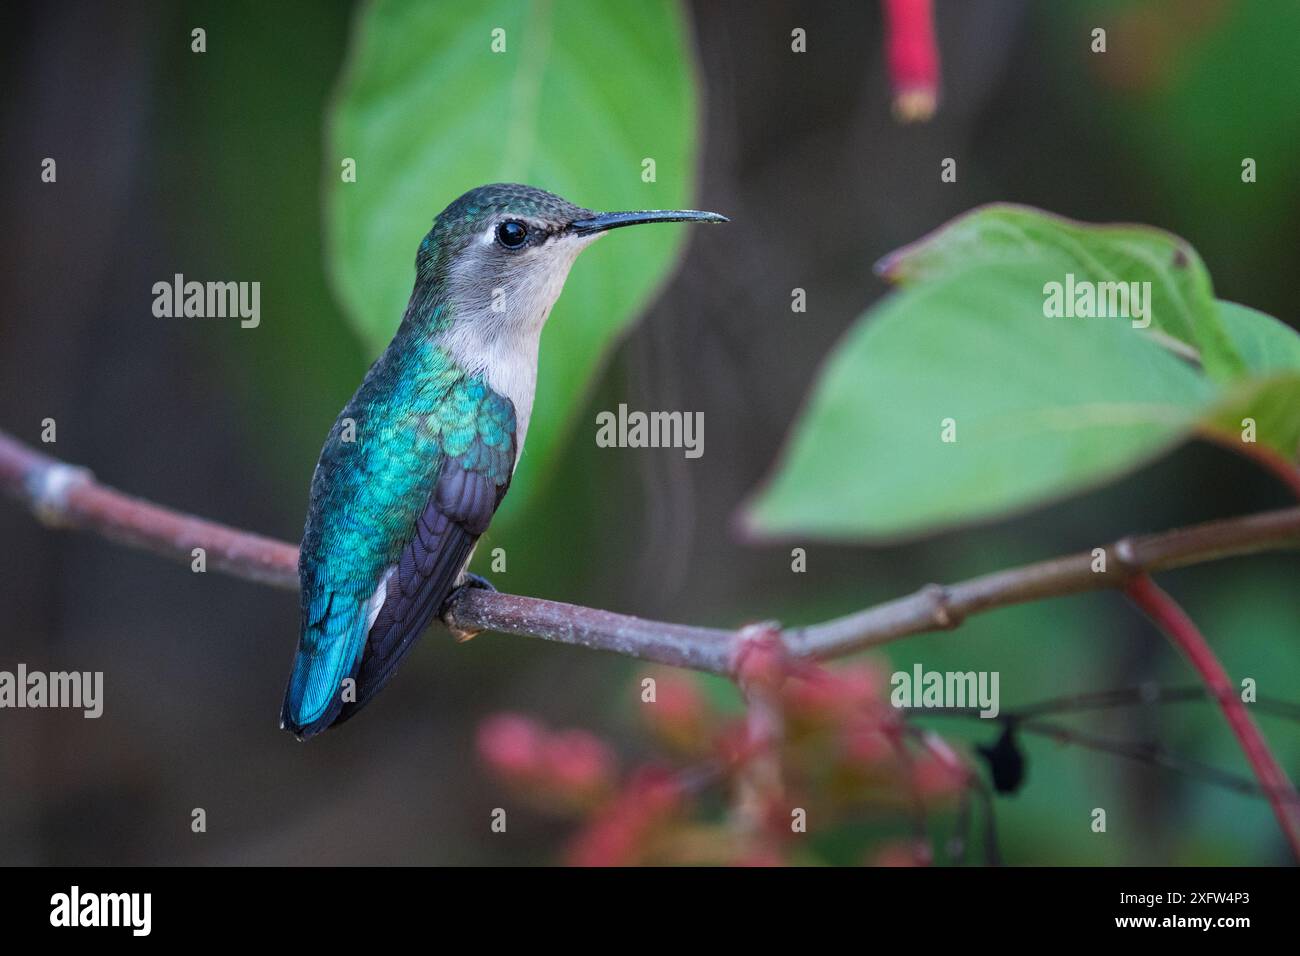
(212, 166)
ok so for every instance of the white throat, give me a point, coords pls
(497, 328)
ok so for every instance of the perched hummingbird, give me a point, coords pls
(418, 461)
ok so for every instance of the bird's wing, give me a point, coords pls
(366, 639)
(474, 477)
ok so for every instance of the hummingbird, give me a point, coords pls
(418, 461)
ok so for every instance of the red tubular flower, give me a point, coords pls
(913, 58)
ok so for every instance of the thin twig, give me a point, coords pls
(1167, 615)
(1143, 695)
(62, 495)
(1153, 754)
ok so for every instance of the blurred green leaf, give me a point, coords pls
(1272, 403)
(1182, 303)
(1271, 398)
(1264, 343)
(1043, 408)
(584, 92)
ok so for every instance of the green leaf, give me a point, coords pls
(1271, 397)
(1265, 343)
(584, 92)
(1182, 306)
(1043, 408)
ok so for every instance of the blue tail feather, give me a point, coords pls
(329, 652)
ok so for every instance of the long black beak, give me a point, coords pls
(613, 220)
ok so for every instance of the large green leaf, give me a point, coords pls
(1042, 405)
(1271, 396)
(1182, 307)
(1043, 408)
(584, 92)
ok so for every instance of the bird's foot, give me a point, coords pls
(471, 581)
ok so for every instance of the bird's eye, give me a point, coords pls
(512, 234)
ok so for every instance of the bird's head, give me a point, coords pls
(502, 253)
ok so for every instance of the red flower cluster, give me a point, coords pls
(815, 748)
(571, 768)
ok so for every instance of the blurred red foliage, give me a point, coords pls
(813, 748)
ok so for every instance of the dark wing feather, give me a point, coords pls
(466, 495)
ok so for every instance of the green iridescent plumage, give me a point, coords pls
(410, 414)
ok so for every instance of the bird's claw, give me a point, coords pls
(470, 581)
(476, 581)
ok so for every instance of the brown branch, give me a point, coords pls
(62, 495)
